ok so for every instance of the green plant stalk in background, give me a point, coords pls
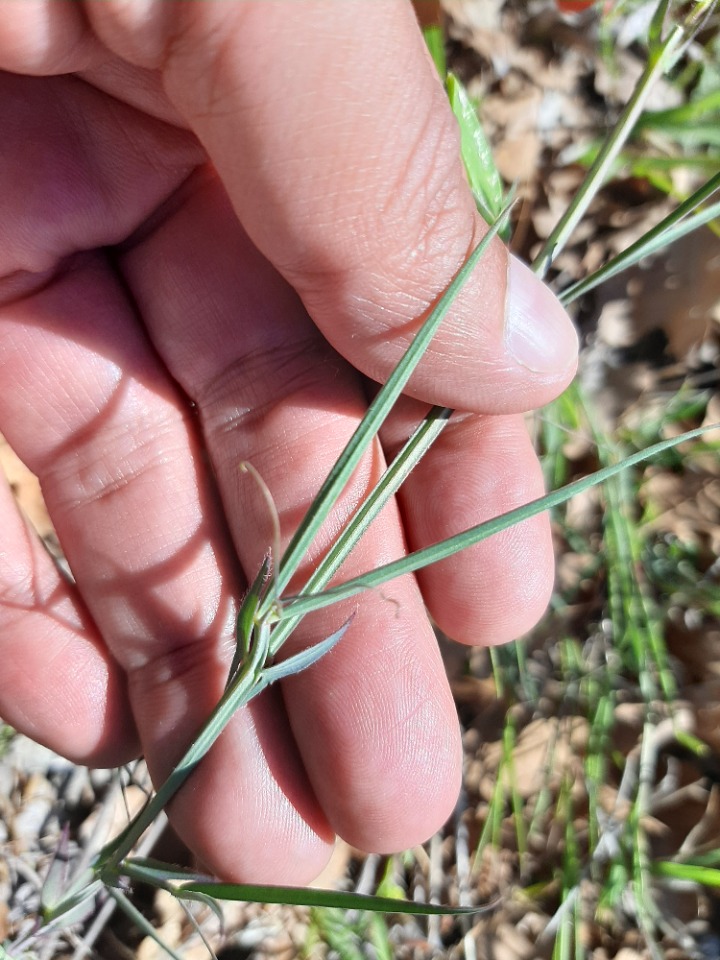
(663, 54)
(686, 218)
(300, 605)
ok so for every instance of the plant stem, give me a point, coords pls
(391, 480)
(372, 421)
(249, 681)
(612, 146)
(237, 694)
(295, 606)
(677, 224)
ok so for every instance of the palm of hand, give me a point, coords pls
(146, 349)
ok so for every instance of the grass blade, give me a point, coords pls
(141, 922)
(242, 689)
(158, 874)
(677, 224)
(304, 659)
(440, 551)
(247, 681)
(405, 461)
(435, 40)
(373, 420)
(610, 149)
(690, 872)
(311, 897)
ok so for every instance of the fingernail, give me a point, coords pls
(539, 334)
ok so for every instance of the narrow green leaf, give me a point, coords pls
(141, 922)
(681, 221)
(694, 135)
(686, 113)
(304, 659)
(391, 480)
(341, 933)
(436, 45)
(637, 161)
(209, 902)
(311, 897)
(440, 551)
(246, 618)
(694, 873)
(241, 690)
(375, 415)
(482, 174)
(73, 909)
(57, 879)
(246, 682)
(655, 30)
(157, 873)
(380, 938)
(711, 858)
(610, 149)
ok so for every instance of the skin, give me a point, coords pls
(219, 224)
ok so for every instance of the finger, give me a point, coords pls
(478, 469)
(87, 405)
(352, 186)
(60, 202)
(374, 721)
(76, 171)
(134, 508)
(46, 37)
(48, 642)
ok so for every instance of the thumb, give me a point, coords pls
(335, 141)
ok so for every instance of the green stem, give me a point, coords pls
(612, 146)
(372, 421)
(141, 922)
(390, 482)
(249, 680)
(238, 693)
(677, 224)
(301, 605)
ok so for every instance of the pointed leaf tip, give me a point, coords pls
(314, 897)
(306, 658)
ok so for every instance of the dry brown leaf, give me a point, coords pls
(38, 798)
(4, 927)
(545, 746)
(470, 18)
(710, 461)
(26, 489)
(427, 12)
(628, 953)
(678, 291)
(571, 570)
(689, 505)
(517, 157)
(510, 944)
(584, 510)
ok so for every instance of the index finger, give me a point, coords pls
(337, 147)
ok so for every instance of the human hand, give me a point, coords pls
(155, 331)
